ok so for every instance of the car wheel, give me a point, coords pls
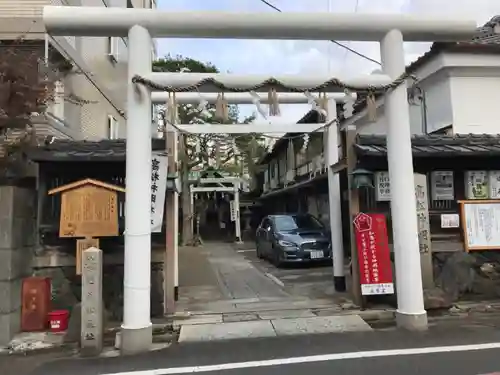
(277, 262)
(257, 250)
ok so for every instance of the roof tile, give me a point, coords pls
(434, 145)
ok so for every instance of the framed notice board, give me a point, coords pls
(480, 224)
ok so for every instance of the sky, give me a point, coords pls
(296, 57)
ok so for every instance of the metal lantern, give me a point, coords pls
(362, 178)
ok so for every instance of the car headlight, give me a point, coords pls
(287, 243)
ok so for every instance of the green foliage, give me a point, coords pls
(203, 148)
(178, 63)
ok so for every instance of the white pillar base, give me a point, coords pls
(134, 341)
(412, 322)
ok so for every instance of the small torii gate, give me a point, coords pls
(140, 25)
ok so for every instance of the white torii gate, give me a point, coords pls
(161, 97)
(142, 24)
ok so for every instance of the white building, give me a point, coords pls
(459, 89)
(98, 75)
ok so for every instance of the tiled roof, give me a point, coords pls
(81, 151)
(434, 145)
(311, 117)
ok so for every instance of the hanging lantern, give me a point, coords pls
(361, 178)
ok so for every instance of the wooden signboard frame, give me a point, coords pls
(89, 208)
(463, 221)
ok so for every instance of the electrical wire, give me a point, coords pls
(333, 41)
(344, 58)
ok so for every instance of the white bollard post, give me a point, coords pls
(411, 313)
(136, 328)
(334, 198)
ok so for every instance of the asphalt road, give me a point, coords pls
(458, 349)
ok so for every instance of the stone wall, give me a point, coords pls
(460, 276)
(66, 285)
(17, 240)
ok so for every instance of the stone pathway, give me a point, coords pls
(215, 278)
(227, 296)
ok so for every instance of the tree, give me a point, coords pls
(204, 149)
(27, 85)
(23, 91)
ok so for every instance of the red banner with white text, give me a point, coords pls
(373, 254)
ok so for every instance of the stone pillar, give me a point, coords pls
(92, 306)
(17, 241)
(424, 237)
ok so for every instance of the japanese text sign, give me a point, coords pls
(159, 164)
(373, 254)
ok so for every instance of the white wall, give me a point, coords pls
(462, 90)
(379, 126)
(476, 104)
(112, 74)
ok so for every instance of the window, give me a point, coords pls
(266, 223)
(112, 128)
(293, 222)
(112, 48)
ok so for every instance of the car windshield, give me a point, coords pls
(294, 222)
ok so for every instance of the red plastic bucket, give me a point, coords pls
(58, 320)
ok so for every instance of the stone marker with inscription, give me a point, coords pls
(424, 233)
(92, 304)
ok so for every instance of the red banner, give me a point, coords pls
(373, 254)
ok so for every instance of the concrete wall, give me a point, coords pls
(17, 239)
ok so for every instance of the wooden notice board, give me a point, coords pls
(480, 224)
(89, 208)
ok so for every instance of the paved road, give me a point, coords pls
(457, 349)
(314, 281)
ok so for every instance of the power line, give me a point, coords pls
(333, 41)
(344, 58)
